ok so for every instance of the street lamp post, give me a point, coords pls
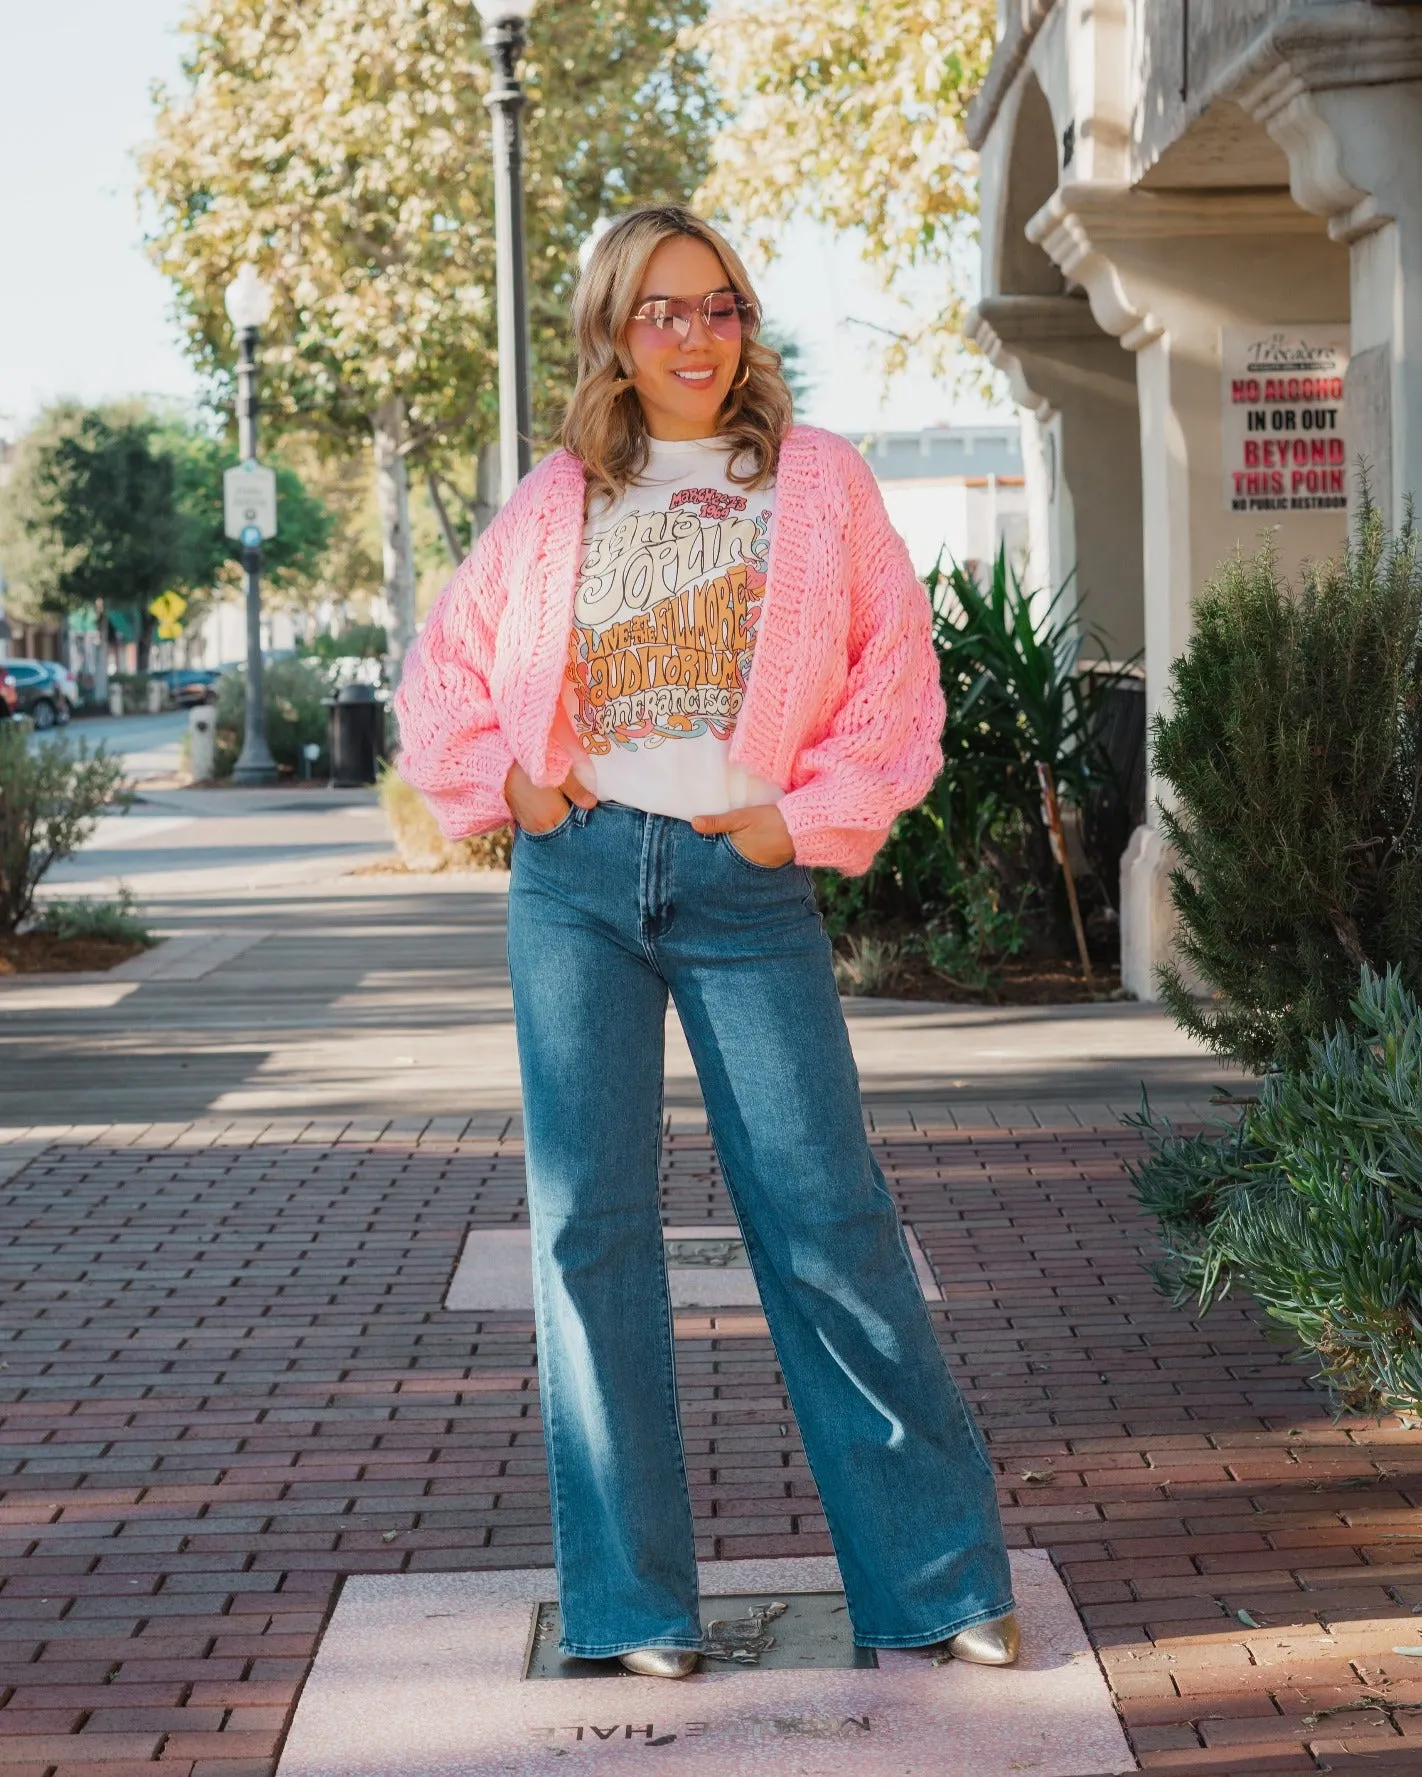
(504, 22)
(249, 305)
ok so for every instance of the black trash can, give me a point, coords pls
(356, 736)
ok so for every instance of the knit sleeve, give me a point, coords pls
(451, 746)
(882, 749)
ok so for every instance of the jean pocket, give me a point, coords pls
(750, 863)
(553, 831)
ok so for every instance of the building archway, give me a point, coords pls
(1023, 269)
(1076, 393)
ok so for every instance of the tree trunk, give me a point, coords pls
(479, 511)
(446, 523)
(392, 487)
(101, 656)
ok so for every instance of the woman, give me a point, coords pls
(688, 660)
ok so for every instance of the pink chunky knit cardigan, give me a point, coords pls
(842, 710)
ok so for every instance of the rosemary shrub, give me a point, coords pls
(1294, 749)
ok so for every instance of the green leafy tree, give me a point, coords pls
(108, 507)
(345, 147)
(89, 517)
(1294, 751)
(206, 555)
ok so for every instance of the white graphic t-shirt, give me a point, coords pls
(665, 621)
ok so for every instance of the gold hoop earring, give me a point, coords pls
(742, 379)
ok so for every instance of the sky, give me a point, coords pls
(84, 315)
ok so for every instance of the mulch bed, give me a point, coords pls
(1046, 983)
(37, 953)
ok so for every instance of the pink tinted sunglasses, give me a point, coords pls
(724, 313)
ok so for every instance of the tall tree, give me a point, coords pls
(90, 518)
(851, 112)
(108, 507)
(344, 146)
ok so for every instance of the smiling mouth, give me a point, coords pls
(697, 378)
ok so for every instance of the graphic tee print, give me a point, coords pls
(665, 621)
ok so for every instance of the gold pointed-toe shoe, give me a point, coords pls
(988, 1644)
(661, 1662)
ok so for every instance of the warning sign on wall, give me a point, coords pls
(1284, 449)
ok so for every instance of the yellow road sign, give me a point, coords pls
(168, 608)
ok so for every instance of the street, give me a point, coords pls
(149, 744)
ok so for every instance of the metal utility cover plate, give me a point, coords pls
(706, 1268)
(812, 1630)
(719, 1252)
(421, 1675)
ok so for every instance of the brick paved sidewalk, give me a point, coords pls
(227, 1381)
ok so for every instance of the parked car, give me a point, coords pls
(9, 697)
(68, 684)
(47, 691)
(189, 685)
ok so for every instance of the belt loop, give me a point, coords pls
(580, 815)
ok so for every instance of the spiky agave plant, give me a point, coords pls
(1019, 698)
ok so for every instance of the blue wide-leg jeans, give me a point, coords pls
(608, 912)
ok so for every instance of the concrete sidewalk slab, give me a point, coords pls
(421, 1676)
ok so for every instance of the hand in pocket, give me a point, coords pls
(538, 808)
(759, 834)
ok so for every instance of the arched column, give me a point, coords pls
(1072, 384)
(1165, 272)
(1076, 397)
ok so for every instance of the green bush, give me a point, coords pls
(117, 922)
(51, 796)
(871, 966)
(1294, 748)
(357, 641)
(135, 692)
(292, 691)
(1314, 1203)
(982, 931)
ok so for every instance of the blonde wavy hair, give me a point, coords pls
(604, 427)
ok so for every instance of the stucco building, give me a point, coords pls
(954, 493)
(1202, 263)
